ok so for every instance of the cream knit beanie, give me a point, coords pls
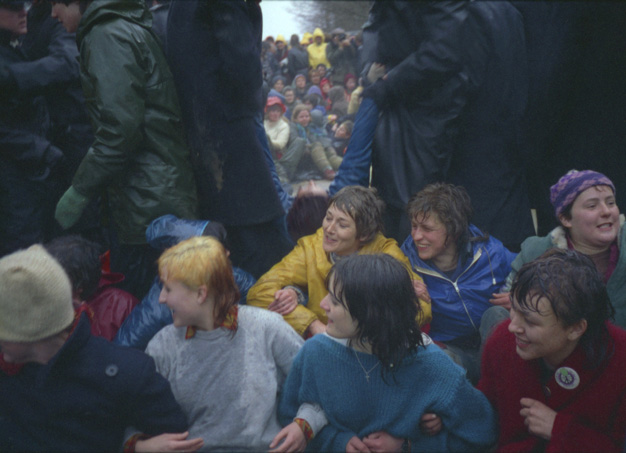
(35, 296)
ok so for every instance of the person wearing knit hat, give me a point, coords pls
(585, 205)
(63, 389)
(36, 298)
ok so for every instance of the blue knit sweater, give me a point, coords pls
(328, 373)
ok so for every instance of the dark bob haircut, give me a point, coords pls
(378, 293)
(570, 282)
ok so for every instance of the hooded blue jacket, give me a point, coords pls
(458, 305)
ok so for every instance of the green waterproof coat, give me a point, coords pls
(139, 154)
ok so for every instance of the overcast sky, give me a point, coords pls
(277, 20)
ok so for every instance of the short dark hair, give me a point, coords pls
(364, 206)
(80, 258)
(452, 205)
(570, 281)
(378, 292)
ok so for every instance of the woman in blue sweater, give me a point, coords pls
(374, 371)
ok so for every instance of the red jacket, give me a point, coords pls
(591, 417)
(109, 306)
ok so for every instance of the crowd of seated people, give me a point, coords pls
(349, 342)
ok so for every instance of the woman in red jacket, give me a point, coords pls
(555, 372)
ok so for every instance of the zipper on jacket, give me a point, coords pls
(477, 256)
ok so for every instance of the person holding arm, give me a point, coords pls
(226, 363)
(352, 225)
(375, 371)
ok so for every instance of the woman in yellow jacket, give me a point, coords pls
(353, 224)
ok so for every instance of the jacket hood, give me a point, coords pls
(99, 11)
(318, 32)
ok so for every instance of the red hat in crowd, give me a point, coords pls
(273, 100)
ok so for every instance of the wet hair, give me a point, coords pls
(80, 258)
(364, 206)
(202, 260)
(452, 205)
(378, 292)
(570, 281)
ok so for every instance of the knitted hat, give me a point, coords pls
(35, 296)
(565, 191)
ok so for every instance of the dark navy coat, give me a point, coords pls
(85, 398)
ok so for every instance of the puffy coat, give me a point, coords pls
(139, 153)
(84, 398)
(110, 306)
(150, 316)
(458, 305)
(535, 246)
(306, 267)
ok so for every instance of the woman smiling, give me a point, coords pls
(555, 372)
(584, 202)
(353, 224)
(373, 372)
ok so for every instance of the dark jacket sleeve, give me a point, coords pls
(437, 58)
(60, 66)
(28, 150)
(151, 407)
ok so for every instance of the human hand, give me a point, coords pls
(382, 441)
(375, 72)
(292, 439)
(169, 442)
(316, 327)
(538, 417)
(421, 290)
(285, 301)
(356, 445)
(431, 424)
(501, 299)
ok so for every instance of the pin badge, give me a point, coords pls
(567, 378)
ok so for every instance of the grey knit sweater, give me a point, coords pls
(228, 384)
